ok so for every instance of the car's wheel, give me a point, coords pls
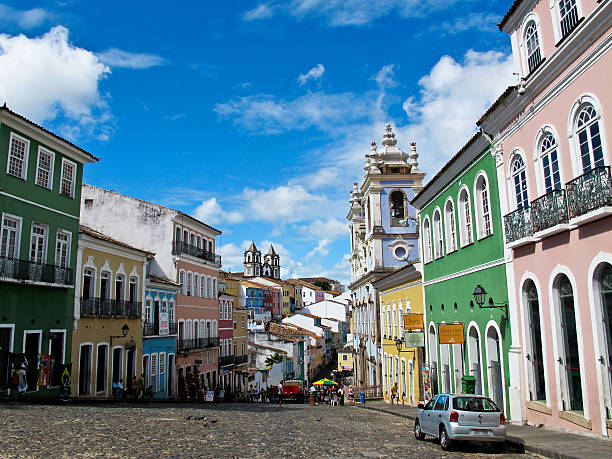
(445, 442)
(418, 433)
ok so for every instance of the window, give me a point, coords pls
(153, 364)
(196, 286)
(177, 237)
(147, 311)
(11, 229)
(208, 288)
(164, 305)
(104, 286)
(426, 240)
(38, 244)
(550, 163)
(214, 288)
(68, 178)
(483, 207)
(437, 234)
(465, 218)
(189, 281)
(101, 368)
(44, 168)
(62, 249)
(119, 284)
(171, 312)
(398, 209)
(449, 224)
(88, 283)
(182, 282)
(162, 363)
(568, 12)
(18, 157)
(133, 289)
(589, 139)
(202, 286)
(532, 46)
(221, 305)
(519, 180)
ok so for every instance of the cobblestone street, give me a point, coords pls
(253, 430)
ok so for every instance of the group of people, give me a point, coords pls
(137, 390)
(326, 394)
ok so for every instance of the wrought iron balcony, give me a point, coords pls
(193, 344)
(518, 224)
(152, 328)
(549, 210)
(226, 360)
(241, 359)
(589, 192)
(106, 307)
(22, 270)
(179, 247)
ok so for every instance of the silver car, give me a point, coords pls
(461, 417)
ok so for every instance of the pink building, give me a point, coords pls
(551, 141)
(319, 295)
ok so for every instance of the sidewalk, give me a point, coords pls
(538, 440)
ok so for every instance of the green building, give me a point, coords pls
(462, 246)
(40, 195)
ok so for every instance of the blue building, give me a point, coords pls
(159, 335)
(254, 297)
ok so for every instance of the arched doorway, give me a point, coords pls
(535, 355)
(433, 359)
(604, 288)
(445, 367)
(496, 385)
(474, 357)
(569, 354)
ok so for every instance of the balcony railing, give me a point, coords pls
(196, 343)
(518, 224)
(241, 359)
(179, 247)
(549, 210)
(152, 329)
(589, 192)
(226, 360)
(106, 307)
(569, 21)
(22, 270)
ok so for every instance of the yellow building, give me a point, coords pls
(345, 359)
(288, 295)
(241, 346)
(401, 293)
(228, 283)
(107, 336)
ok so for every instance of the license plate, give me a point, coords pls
(480, 433)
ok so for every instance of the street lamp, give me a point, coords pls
(124, 331)
(479, 296)
(399, 343)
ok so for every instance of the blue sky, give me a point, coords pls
(254, 115)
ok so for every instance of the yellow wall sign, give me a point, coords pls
(413, 322)
(450, 333)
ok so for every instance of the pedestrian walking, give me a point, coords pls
(22, 383)
(394, 394)
(280, 394)
(141, 387)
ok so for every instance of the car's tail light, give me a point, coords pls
(454, 416)
(502, 418)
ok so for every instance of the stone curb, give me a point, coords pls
(514, 442)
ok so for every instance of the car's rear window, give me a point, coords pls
(474, 404)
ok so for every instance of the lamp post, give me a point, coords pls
(399, 343)
(479, 296)
(124, 331)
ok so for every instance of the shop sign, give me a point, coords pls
(413, 321)
(163, 323)
(414, 339)
(450, 333)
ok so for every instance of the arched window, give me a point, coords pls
(449, 225)
(537, 383)
(465, 218)
(532, 46)
(589, 138)
(394, 323)
(569, 336)
(483, 207)
(426, 240)
(397, 207)
(369, 210)
(550, 163)
(519, 181)
(437, 234)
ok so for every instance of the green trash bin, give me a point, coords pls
(468, 384)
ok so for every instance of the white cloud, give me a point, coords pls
(313, 74)
(453, 96)
(54, 78)
(337, 13)
(322, 249)
(209, 211)
(285, 204)
(266, 114)
(480, 22)
(331, 229)
(117, 58)
(25, 19)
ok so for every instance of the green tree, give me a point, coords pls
(275, 358)
(323, 285)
